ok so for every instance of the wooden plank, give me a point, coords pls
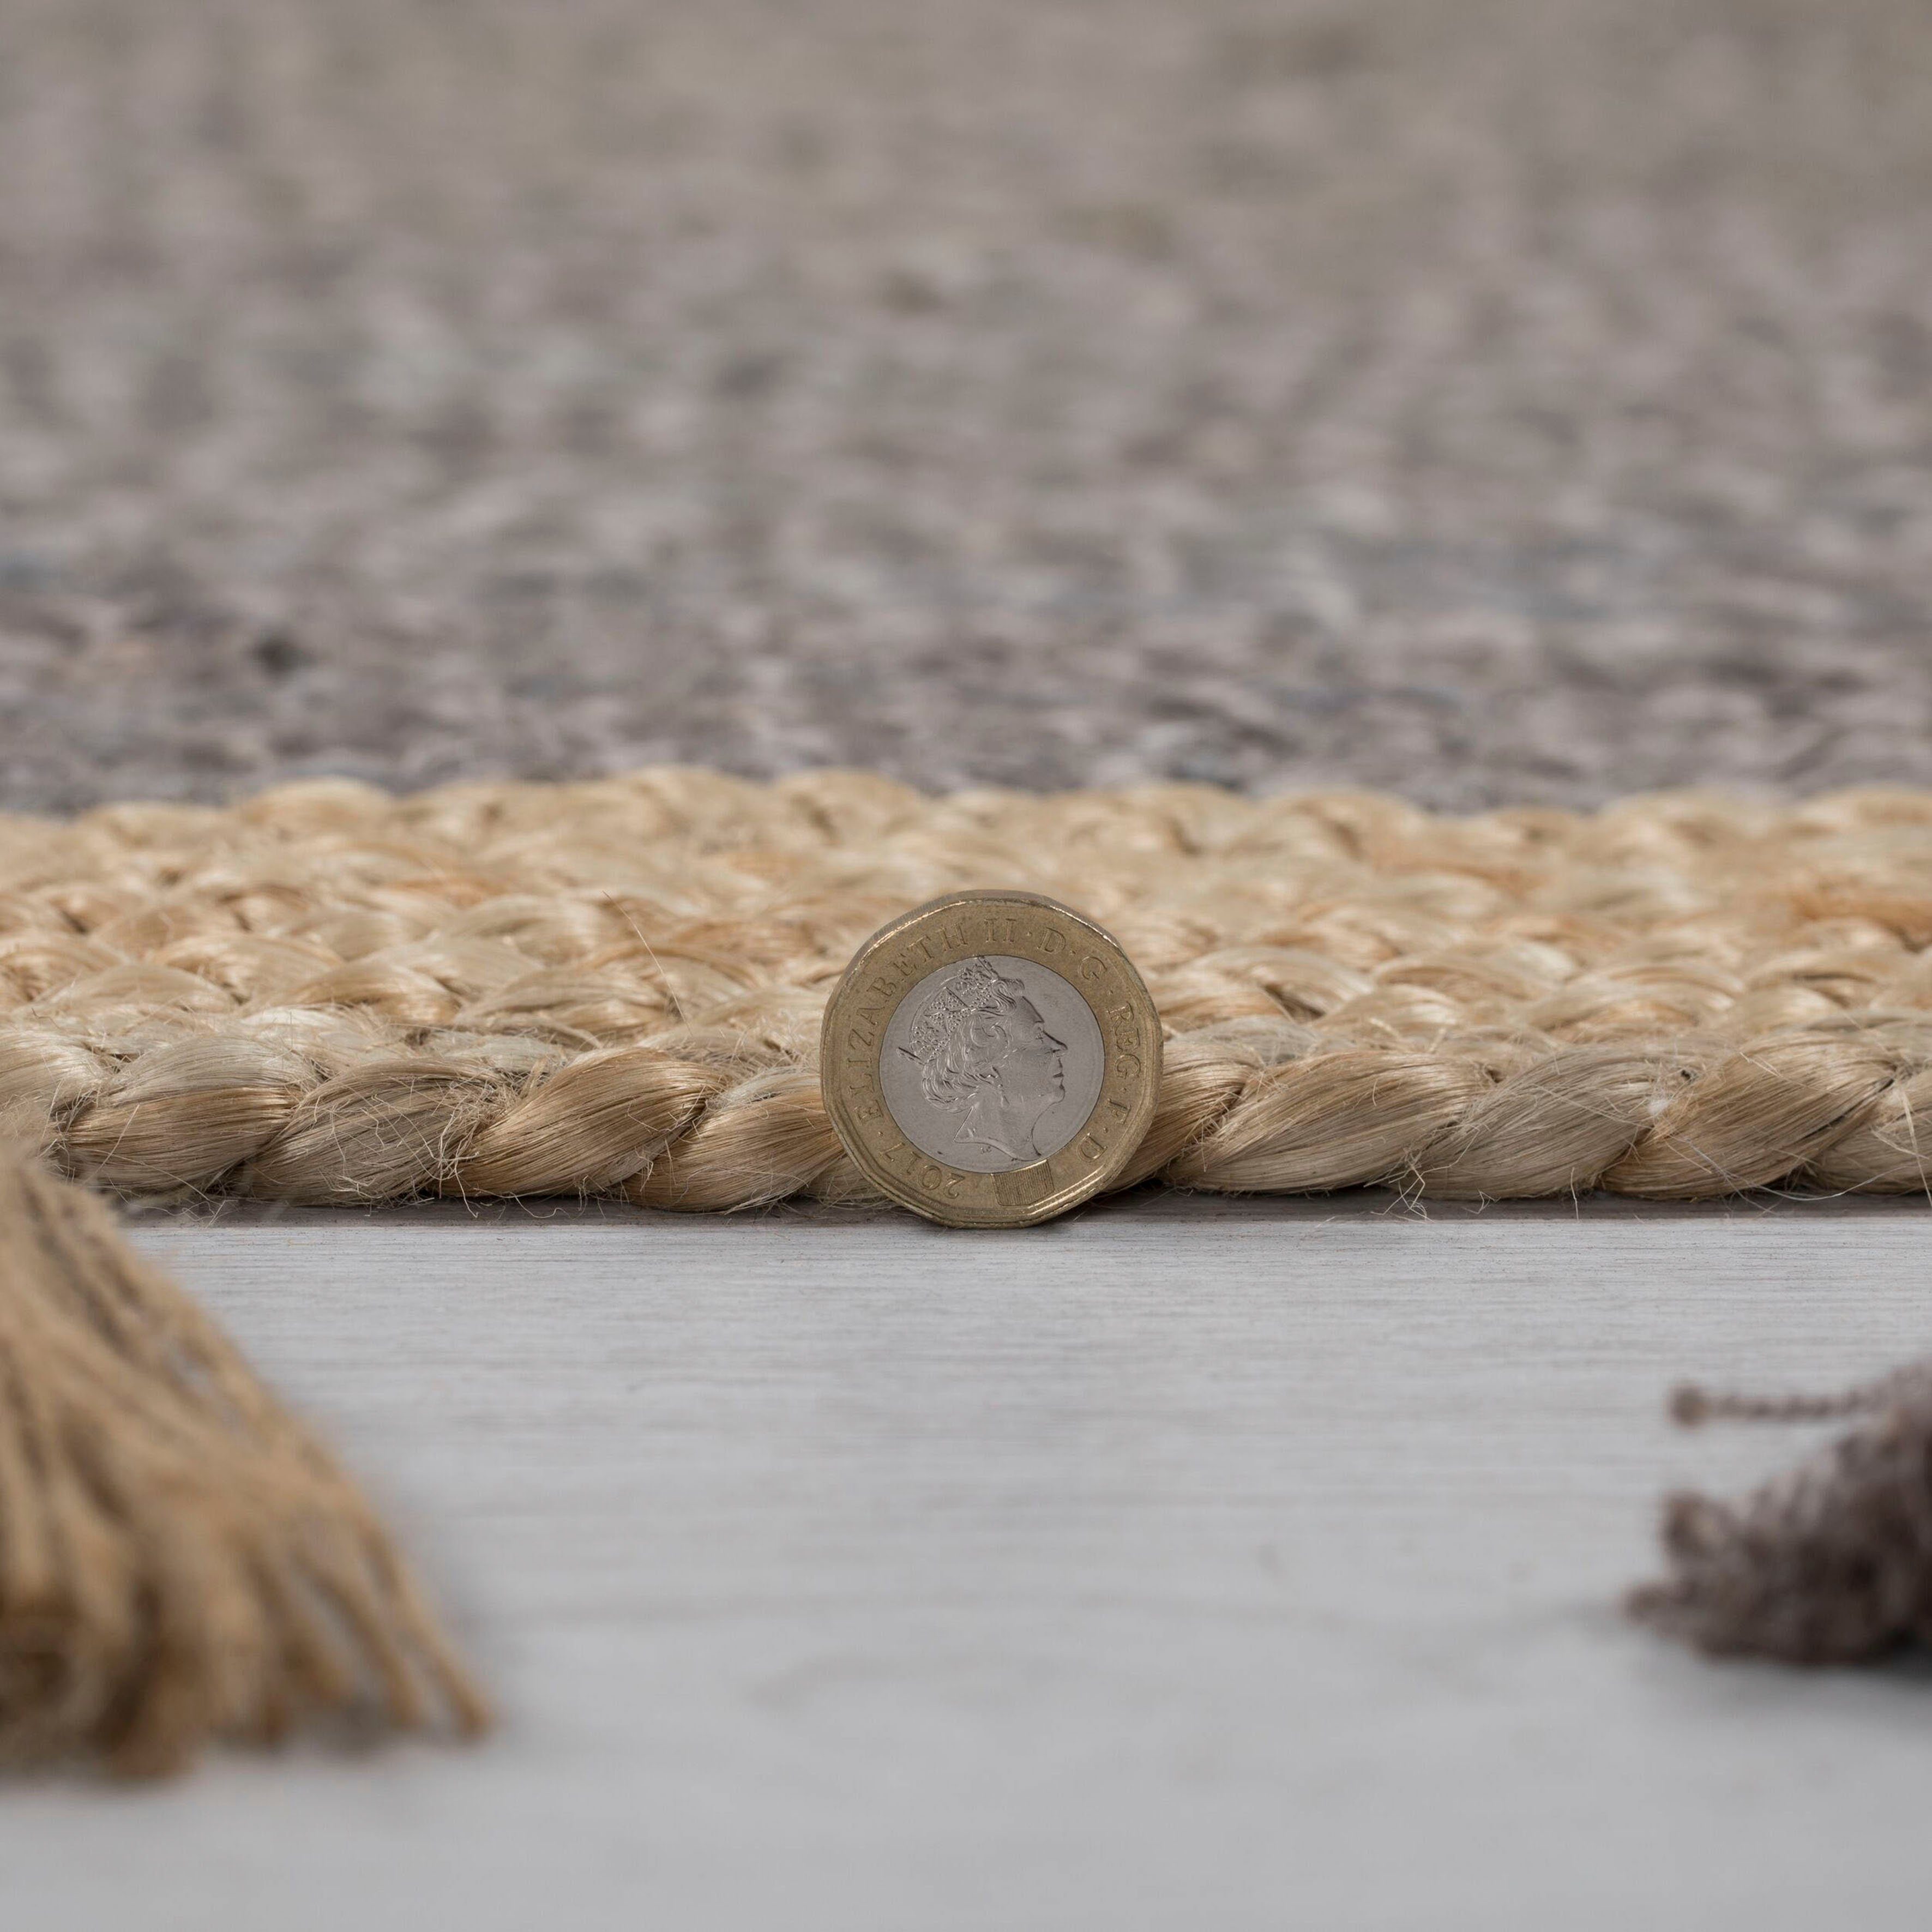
(1184, 1563)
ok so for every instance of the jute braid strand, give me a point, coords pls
(325, 995)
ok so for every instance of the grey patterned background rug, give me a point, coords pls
(1497, 399)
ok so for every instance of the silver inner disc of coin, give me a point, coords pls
(992, 1063)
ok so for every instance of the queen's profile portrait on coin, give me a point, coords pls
(984, 1055)
(990, 1059)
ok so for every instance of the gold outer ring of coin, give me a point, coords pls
(972, 932)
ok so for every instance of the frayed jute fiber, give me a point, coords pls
(1831, 1563)
(325, 994)
(179, 1560)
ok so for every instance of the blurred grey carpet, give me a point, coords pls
(1498, 399)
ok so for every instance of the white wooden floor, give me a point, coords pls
(1183, 1564)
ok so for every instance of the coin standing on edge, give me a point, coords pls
(991, 1059)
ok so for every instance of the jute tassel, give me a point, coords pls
(180, 1560)
(1830, 1563)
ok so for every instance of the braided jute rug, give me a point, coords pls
(325, 995)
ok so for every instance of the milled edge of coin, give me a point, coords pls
(902, 955)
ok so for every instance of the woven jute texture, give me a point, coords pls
(1492, 400)
(325, 995)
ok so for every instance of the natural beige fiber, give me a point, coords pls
(1831, 1563)
(179, 1560)
(325, 994)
